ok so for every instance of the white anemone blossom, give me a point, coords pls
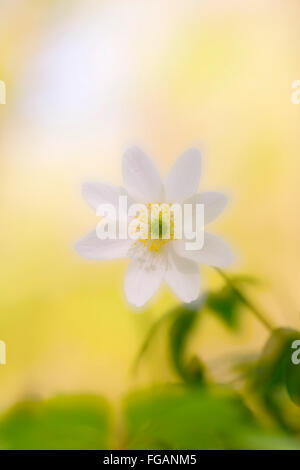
(154, 261)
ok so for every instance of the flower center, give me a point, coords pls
(154, 226)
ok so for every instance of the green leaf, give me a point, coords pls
(63, 422)
(270, 371)
(191, 371)
(178, 417)
(225, 304)
(293, 372)
(164, 319)
(275, 378)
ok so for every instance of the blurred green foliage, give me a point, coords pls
(176, 417)
(226, 304)
(192, 371)
(165, 417)
(271, 368)
(293, 381)
(272, 381)
(64, 422)
(194, 413)
(275, 380)
(180, 417)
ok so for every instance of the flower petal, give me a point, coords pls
(182, 276)
(142, 281)
(91, 247)
(215, 251)
(214, 204)
(96, 193)
(182, 181)
(141, 177)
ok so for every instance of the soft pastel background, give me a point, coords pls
(86, 79)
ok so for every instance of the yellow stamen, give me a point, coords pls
(155, 226)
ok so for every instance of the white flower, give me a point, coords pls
(158, 260)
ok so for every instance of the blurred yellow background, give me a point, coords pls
(87, 79)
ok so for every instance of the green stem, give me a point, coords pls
(254, 309)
